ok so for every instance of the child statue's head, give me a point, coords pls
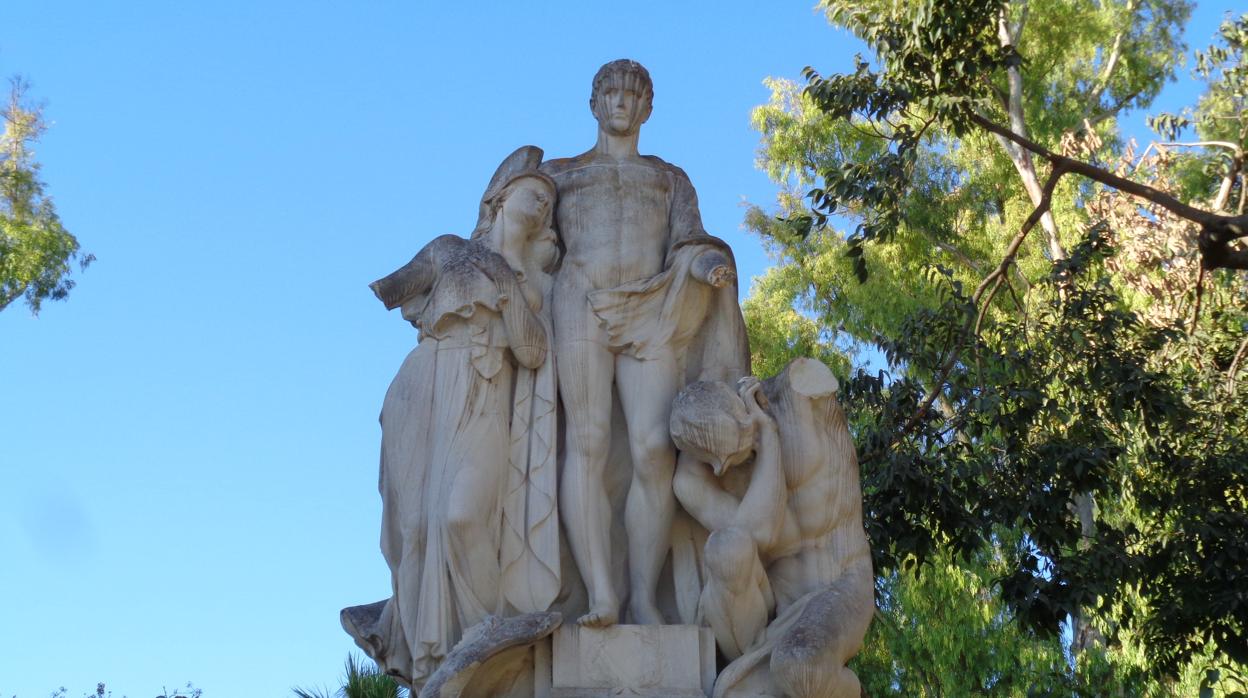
(710, 422)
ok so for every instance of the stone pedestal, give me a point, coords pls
(657, 661)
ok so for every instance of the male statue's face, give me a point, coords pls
(620, 105)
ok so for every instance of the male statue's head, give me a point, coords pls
(622, 97)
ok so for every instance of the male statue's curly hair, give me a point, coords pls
(630, 73)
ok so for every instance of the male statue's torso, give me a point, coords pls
(612, 215)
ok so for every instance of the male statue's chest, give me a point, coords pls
(616, 195)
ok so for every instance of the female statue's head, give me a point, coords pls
(516, 217)
(710, 422)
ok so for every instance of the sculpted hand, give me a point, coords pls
(751, 391)
(513, 260)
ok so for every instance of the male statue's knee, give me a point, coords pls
(589, 442)
(652, 448)
(730, 555)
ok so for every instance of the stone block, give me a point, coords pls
(656, 661)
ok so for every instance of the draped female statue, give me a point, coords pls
(469, 518)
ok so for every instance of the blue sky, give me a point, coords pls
(188, 451)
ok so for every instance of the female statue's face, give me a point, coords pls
(732, 448)
(528, 203)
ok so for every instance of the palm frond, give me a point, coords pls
(361, 679)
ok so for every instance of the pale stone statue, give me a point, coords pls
(787, 584)
(640, 277)
(469, 520)
(735, 510)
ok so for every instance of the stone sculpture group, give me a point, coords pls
(577, 435)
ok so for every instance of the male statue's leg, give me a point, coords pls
(585, 373)
(647, 389)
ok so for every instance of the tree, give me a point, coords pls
(1038, 398)
(36, 251)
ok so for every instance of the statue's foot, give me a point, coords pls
(645, 613)
(600, 616)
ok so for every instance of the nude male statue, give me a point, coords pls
(636, 259)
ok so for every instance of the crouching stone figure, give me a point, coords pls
(769, 471)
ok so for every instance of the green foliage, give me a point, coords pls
(361, 679)
(36, 251)
(1220, 119)
(941, 633)
(939, 65)
(800, 141)
(1078, 397)
(913, 648)
(1084, 377)
(1219, 115)
(779, 333)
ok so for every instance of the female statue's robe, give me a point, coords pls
(469, 522)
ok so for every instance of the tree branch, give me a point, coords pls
(1018, 124)
(1204, 144)
(989, 285)
(1237, 163)
(953, 251)
(1239, 355)
(1217, 231)
(1228, 182)
(1221, 255)
(1118, 106)
(1200, 294)
(1017, 30)
(1094, 98)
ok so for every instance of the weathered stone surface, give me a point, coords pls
(362, 623)
(657, 661)
(483, 642)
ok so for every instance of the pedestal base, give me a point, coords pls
(656, 661)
